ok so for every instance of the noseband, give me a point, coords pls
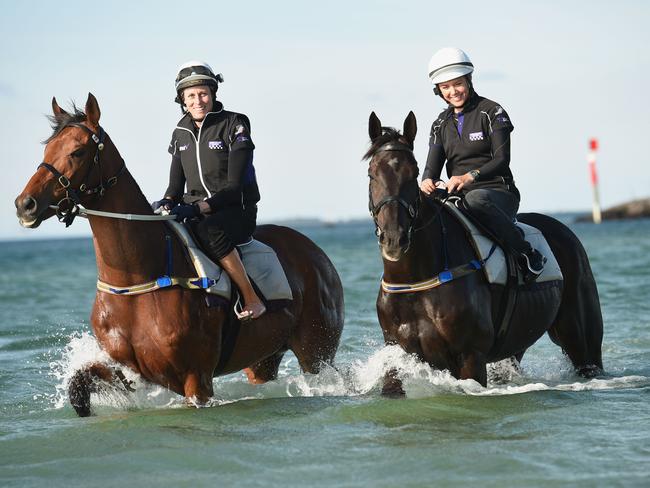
(72, 200)
(413, 209)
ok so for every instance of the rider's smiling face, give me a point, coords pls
(198, 101)
(455, 92)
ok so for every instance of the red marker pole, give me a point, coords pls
(591, 158)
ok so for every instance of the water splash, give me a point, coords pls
(352, 377)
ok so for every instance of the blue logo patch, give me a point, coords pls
(476, 136)
(215, 144)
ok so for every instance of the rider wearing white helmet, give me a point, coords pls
(212, 180)
(472, 137)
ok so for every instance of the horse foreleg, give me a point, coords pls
(197, 389)
(392, 385)
(85, 381)
(473, 367)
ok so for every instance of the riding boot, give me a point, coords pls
(532, 264)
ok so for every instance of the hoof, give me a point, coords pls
(589, 371)
(391, 390)
(79, 393)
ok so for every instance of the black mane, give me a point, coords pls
(389, 134)
(60, 122)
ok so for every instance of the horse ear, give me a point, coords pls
(92, 110)
(374, 126)
(58, 111)
(410, 127)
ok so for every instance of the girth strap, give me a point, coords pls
(196, 283)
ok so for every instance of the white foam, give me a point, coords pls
(352, 378)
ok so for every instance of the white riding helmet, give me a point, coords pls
(449, 63)
(195, 73)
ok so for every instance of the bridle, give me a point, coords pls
(68, 207)
(413, 209)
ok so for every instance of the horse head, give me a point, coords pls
(393, 192)
(78, 156)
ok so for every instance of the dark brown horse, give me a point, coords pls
(171, 336)
(454, 326)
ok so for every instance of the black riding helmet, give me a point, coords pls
(195, 73)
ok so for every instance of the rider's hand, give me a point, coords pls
(457, 183)
(164, 204)
(183, 212)
(204, 207)
(427, 186)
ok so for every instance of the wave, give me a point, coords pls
(351, 378)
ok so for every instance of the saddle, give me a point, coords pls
(264, 270)
(500, 267)
(260, 261)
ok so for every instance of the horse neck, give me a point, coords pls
(127, 252)
(426, 255)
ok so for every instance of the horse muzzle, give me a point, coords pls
(393, 244)
(29, 211)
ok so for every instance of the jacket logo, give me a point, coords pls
(215, 144)
(183, 148)
(476, 136)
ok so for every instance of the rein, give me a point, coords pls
(446, 275)
(413, 209)
(73, 200)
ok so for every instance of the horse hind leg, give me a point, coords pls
(265, 370)
(578, 327)
(87, 380)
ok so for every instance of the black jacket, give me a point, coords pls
(483, 143)
(216, 161)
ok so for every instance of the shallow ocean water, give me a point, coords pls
(542, 426)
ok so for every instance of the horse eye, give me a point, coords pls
(78, 153)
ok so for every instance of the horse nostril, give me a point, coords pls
(29, 204)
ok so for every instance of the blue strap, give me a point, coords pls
(168, 251)
(445, 251)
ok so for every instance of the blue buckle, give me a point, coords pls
(445, 276)
(164, 281)
(476, 264)
(203, 282)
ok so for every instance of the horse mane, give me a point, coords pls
(388, 134)
(63, 120)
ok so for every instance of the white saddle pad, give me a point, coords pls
(495, 267)
(260, 261)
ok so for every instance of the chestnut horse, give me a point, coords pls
(171, 336)
(454, 326)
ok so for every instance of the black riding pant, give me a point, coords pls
(496, 209)
(219, 232)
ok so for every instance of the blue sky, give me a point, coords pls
(309, 74)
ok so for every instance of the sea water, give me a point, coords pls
(540, 425)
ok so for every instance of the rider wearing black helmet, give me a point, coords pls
(212, 179)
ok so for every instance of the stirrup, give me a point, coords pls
(529, 266)
(238, 308)
(239, 311)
